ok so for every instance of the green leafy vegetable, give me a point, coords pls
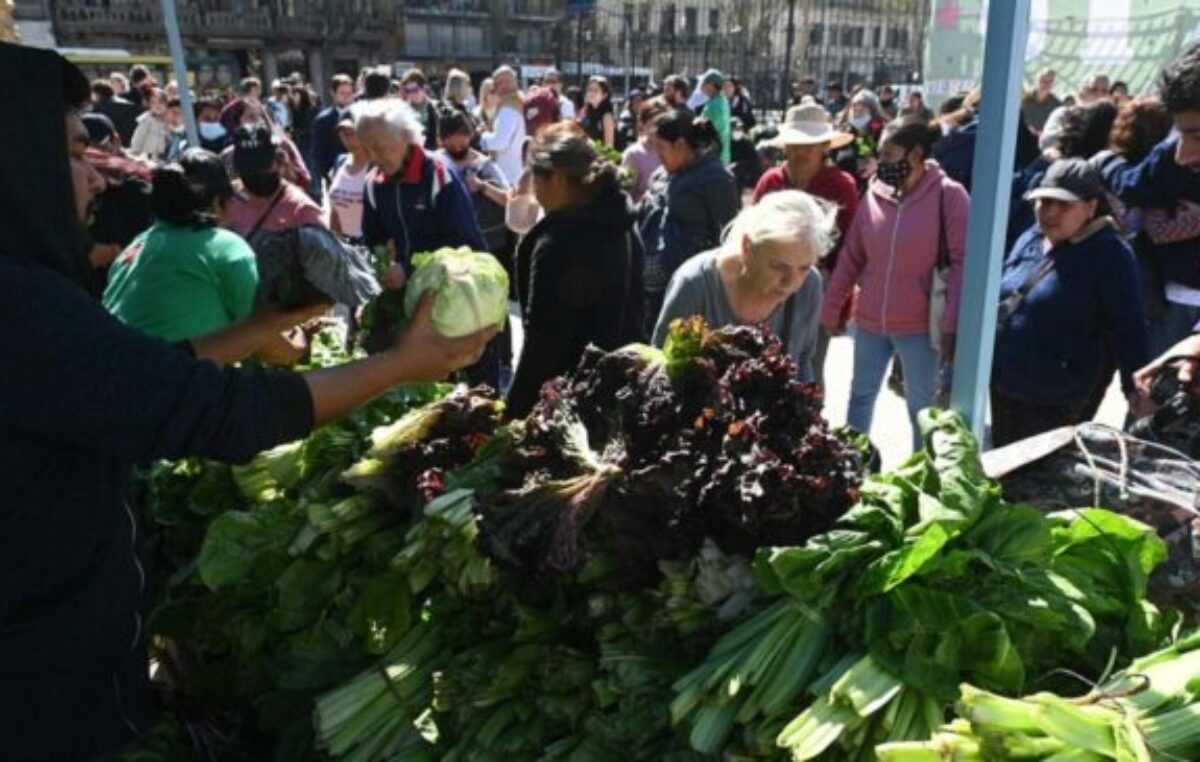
(470, 287)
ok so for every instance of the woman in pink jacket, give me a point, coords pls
(910, 212)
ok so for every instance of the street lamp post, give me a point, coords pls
(579, 48)
(786, 80)
(175, 42)
(626, 21)
(628, 46)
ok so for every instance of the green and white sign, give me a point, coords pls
(1129, 40)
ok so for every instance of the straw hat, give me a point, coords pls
(808, 124)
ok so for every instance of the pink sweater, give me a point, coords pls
(890, 252)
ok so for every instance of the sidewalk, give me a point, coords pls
(890, 429)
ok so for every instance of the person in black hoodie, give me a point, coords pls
(122, 113)
(579, 269)
(82, 400)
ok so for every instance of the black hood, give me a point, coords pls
(38, 224)
(611, 208)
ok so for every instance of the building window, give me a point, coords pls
(816, 34)
(690, 21)
(667, 21)
(898, 38)
(416, 37)
(852, 36)
(714, 19)
(878, 34)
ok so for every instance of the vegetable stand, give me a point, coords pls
(671, 558)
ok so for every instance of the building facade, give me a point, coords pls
(845, 40)
(850, 41)
(228, 39)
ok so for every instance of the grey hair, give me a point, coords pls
(789, 216)
(458, 86)
(395, 116)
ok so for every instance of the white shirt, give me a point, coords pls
(1053, 128)
(346, 197)
(1177, 293)
(506, 142)
(566, 108)
(281, 113)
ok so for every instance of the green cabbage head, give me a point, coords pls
(470, 290)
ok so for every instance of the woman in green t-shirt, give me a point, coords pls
(186, 277)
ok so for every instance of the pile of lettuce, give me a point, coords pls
(671, 558)
(280, 580)
(638, 455)
(930, 581)
(470, 290)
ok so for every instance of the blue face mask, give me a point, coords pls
(211, 130)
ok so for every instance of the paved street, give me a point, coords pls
(890, 430)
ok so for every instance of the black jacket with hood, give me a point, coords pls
(82, 399)
(579, 280)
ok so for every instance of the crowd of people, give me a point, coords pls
(129, 283)
(616, 215)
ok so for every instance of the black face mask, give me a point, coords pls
(893, 173)
(262, 184)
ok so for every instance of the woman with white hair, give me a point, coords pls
(456, 96)
(764, 272)
(863, 119)
(413, 201)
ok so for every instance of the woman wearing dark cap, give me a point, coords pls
(1070, 288)
(82, 399)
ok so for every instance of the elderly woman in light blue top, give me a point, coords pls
(764, 272)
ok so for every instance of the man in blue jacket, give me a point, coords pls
(327, 146)
(1169, 175)
(1171, 172)
(414, 201)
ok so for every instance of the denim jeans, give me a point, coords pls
(1174, 325)
(872, 352)
(818, 358)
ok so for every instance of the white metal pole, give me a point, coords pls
(175, 41)
(991, 189)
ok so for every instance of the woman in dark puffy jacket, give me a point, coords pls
(691, 198)
(1069, 293)
(579, 270)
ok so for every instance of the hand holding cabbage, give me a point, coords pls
(470, 288)
(429, 355)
